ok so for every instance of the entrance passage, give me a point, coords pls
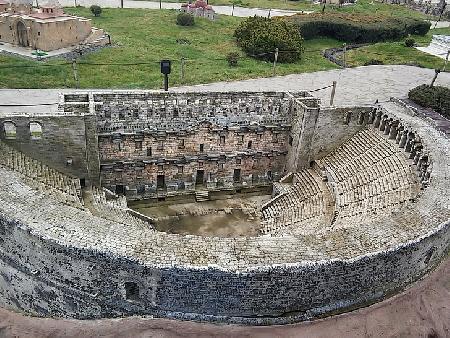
(22, 34)
(160, 182)
(119, 189)
(237, 175)
(199, 178)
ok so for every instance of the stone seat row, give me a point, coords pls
(115, 209)
(368, 174)
(368, 158)
(374, 204)
(41, 176)
(360, 143)
(304, 201)
(364, 164)
(377, 178)
(352, 197)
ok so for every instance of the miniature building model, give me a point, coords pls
(45, 28)
(199, 8)
(359, 206)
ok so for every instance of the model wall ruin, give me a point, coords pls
(44, 278)
(153, 144)
(77, 266)
(66, 143)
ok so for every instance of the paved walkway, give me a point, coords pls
(361, 85)
(225, 10)
(440, 24)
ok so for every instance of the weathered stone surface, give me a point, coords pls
(60, 260)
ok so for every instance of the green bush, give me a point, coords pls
(232, 59)
(436, 97)
(185, 19)
(357, 28)
(373, 62)
(410, 42)
(259, 37)
(96, 10)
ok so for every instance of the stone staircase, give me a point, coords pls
(202, 196)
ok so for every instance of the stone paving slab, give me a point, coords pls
(30, 53)
(361, 85)
(224, 10)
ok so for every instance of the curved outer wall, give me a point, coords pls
(47, 279)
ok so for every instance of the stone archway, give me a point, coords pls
(22, 34)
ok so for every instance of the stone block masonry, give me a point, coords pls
(219, 141)
(73, 262)
(66, 142)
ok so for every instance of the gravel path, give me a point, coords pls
(225, 10)
(361, 85)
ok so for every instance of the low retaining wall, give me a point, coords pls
(43, 278)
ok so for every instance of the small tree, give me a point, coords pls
(409, 42)
(260, 37)
(185, 19)
(96, 10)
(232, 59)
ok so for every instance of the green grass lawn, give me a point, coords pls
(148, 36)
(397, 53)
(362, 6)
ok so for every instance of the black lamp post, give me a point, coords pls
(165, 70)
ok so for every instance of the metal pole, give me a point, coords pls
(121, 3)
(344, 57)
(268, 15)
(75, 73)
(166, 82)
(182, 70)
(436, 73)
(275, 60)
(160, 5)
(446, 60)
(333, 92)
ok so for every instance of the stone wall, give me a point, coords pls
(68, 143)
(48, 34)
(317, 131)
(220, 140)
(44, 278)
(337, 125)
(56, 260)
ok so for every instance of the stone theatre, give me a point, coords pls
(355, 206)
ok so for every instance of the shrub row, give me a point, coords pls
(436, 97)
(357, 28)
(259, 37)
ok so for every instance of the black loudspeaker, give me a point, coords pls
(165, 67)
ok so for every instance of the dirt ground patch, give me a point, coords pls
(421, 311)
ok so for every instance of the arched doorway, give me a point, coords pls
(22, 34)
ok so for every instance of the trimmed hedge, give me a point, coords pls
(357, 28)
(259, 37)
(436, 97)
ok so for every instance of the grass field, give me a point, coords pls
(397, 53)
(147, 36)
